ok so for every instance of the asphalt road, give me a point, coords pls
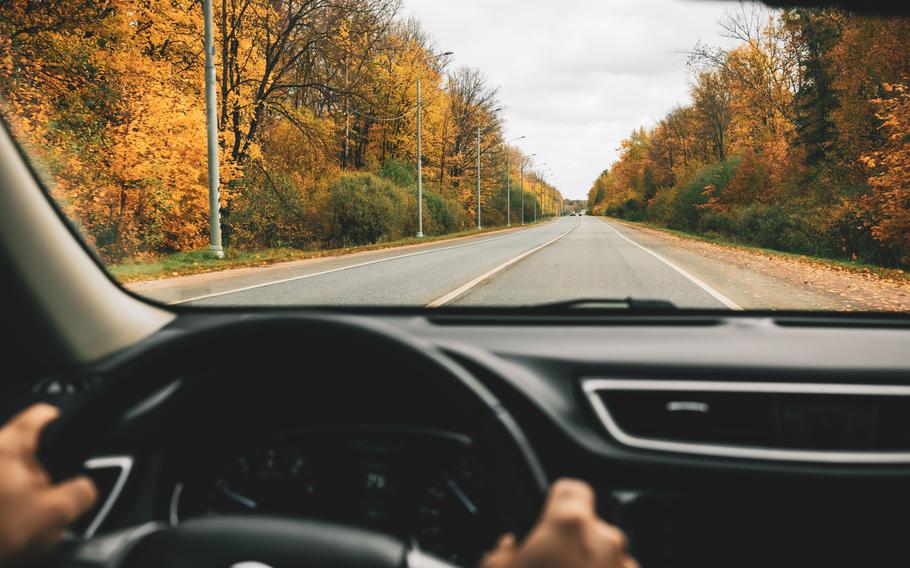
(596, 260)
(405, 276)
(568, 258)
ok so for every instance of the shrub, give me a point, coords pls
(364, 209)
(709, 181)
(632, 209)
(660, 209)
(443, 215)
(400, 173)
(271, 211)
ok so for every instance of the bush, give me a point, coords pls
(364, 209)
(442, 215)
(270, 210)
(632, 209)
(775, 226)
(686, 209)
(400, 173)
(850, 233)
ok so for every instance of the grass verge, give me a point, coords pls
(200, 261)
(894, 274)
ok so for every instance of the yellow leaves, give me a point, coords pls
(890, 170)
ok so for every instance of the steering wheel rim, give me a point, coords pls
(134, 375)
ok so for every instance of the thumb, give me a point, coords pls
(503, 554)
(62, 504)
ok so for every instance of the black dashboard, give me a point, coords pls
(711, 440)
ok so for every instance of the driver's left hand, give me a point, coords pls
(34, 513)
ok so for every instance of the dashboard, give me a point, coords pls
(428, 487)
(710, 440)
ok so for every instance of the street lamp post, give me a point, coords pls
(420, 152)
(478, 179)
(211, 124)
(419, 164)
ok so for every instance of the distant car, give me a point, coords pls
(572, 213)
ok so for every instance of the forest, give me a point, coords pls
(317, 123)
(797, 138)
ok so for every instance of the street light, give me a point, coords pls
(479, 227)
(420, 151)
(211, 124)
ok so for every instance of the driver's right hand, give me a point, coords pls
(569, 534)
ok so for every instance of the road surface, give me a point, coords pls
(565, 259)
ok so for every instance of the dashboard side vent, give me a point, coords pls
(814, 422)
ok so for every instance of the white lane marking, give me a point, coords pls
(351, 267)
(714, 293)
(460, 291)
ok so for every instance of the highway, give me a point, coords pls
(568, 258)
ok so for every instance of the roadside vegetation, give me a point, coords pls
(201, 261)
(797, 139)
(317, 125)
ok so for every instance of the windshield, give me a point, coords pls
(673, 154)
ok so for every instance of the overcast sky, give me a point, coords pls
(576, 76)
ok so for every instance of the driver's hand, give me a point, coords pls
(33, 512)
(568, 535)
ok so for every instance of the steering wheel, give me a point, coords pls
(136, 376)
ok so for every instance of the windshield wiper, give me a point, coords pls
(630, 304)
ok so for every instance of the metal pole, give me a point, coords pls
(535, 202)
(479, 226)
(419, 165)
(508, 189)
(211, 124)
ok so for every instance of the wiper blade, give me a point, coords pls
(630, 304)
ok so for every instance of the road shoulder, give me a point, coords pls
(277, 270)
(759, 280)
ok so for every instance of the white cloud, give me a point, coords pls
(576, 76)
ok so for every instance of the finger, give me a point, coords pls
(570, 498)
(62, 504)
(23, 431)
(615, 536)
(506, 541)
(502, 555)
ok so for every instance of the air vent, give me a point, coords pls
(820, 422)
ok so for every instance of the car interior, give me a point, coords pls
(380, 437)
